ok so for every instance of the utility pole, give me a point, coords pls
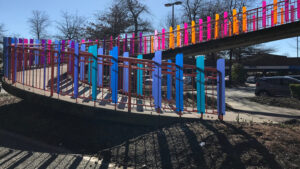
(173, 15)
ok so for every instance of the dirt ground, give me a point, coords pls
(211, 144)
(201, 144)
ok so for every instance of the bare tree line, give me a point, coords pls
(123, 16)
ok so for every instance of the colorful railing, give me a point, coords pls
(95, 71)
(83, 72)
(230, 23)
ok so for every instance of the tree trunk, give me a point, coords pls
(230, 66)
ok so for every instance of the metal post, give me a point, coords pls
(173, 22)
(169, 82)
(58, 48)
(52, 74)
(297, 47)
(129, 88)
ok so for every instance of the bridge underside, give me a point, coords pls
(256, 37)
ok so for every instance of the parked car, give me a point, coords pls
(251, 79)
(274, 86)
(187, 80)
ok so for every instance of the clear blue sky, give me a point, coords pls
(15, 13)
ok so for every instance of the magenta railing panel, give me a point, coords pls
(298, 9)
(225, 23)
(272, 18)
(200, 30)
(49, 47)
(145, 45)
(208, 28)
(286, 11)
(292, 13)
(264, 14)
(186, 34)
(163, 39)
(254, 23)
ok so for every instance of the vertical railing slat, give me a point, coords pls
(200, 30)
(286, 5)
(193, 32)
(225, 23)
(264, 14)
(156, 82)
(186, 34)
(125, 73)
(169, 82)
(275, 4)
(200, 81)
(244, 19)
(217, 18)
(179, 82)
(140, 78)
(100, 68)
(208, 28)
(82, 49)
(178, 36)
(163, 39)
(58, 48)
(76, 65)
(93, 51)
(114, 75)
(221, 86)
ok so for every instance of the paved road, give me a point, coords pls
(237, 99)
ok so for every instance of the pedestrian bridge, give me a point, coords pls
(112, 75)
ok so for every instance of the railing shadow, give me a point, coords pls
(176, 146)
(179, 146)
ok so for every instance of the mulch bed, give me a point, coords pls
(278, 101)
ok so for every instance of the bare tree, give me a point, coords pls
(1, 44)
(192, 9)
(71, 26)
(195, 9)
(136, 9)
(112, 22)
(167, 21)
(38, 23)
(2, 30)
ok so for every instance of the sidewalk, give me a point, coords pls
(252, 111)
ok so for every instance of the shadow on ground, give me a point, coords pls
(78, 134)
(203, 144)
